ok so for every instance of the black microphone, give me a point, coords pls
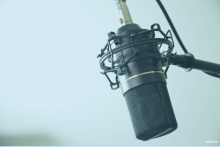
(144, 87)
(137, 62)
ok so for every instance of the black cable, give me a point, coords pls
(177, 36)
(172, 26)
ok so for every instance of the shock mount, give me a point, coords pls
(107, 52)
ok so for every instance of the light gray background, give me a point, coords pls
(51, 91)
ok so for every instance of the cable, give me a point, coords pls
(172, 26)
(177, 36)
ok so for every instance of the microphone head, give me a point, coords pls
(150, 110)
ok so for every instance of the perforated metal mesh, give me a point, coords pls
(147, 111)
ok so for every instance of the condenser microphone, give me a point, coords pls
(144, 87)
(137, 62)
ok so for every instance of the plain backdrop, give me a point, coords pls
(51, 89)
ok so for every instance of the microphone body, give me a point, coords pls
(144, 87)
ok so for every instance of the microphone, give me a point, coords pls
(143, 85)
(137, 62)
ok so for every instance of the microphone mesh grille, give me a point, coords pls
(147, 111)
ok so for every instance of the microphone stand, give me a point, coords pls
(188, 62)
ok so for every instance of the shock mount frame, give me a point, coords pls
(107, 52)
